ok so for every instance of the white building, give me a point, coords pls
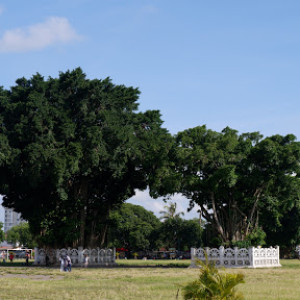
(11, 218)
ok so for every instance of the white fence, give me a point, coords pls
(238, 258)
(96, 257)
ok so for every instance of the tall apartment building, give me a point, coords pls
(11, 218)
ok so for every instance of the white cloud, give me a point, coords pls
(55, 30)
(1, 9)
(157, 206)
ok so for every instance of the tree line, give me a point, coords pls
(133, 228)
(72, 150)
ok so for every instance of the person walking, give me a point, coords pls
(62, 263)
(47, 260)
(11, 257)
(27, 255)
(68, 263)
(86, 260)
(3, 256)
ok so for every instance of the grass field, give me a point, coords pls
(137, 279)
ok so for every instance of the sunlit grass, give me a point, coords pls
(148, 282)
(154, 262)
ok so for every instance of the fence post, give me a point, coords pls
(36, 256)
(80, 256)
(251, 256)
(221, 255)
(193, 257)
(57, 255)
(207, 251)
(277, 255)
(236, 253)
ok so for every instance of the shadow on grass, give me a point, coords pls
(151, 266)
(16, 263)
(115, 266)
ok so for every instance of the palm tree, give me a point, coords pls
(170, 212)
(172, 220)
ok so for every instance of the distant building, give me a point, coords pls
(11, 218)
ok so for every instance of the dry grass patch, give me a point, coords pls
(139, 283)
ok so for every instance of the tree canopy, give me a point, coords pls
(20, 234)
(74, 148)
(170, 212)
(180, 233)
(133, 227)
(238, 179)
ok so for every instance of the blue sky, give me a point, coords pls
(219, 63)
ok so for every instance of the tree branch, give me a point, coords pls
(257, 195)
(216, 218)
(205, 213)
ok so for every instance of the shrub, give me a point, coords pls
(213, 285)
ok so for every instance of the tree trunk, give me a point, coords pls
(83, 196)
(95, 236)
(103, 235)
(82, 226)
(216, 219)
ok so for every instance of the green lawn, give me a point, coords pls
(136, 279)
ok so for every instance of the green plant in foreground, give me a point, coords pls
(213, 285)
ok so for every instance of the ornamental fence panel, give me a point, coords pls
(96, 257)
(237, 257)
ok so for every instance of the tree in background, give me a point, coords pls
(285, 233)
(235, 179)
(180, 234)
(170, 212)
(170, 227)
(72, 149)
(133, 227)
(1, 232)
(21, 234)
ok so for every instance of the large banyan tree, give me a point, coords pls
(71, 150)
(240, 181)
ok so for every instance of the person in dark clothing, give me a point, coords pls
(47, 261)
(27, 255)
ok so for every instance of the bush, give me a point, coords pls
(256, 238)
(213, 285)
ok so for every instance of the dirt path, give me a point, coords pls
(33, 277)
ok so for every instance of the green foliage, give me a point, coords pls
(1, 232)
(135, 228)
(286, 234)
(72, 150)
(170, 212)
(132, 227)
(180, 234)
(21, 234)
(257, 237)
(190, 235)
(282, 225)
(213, 285)
(241, 182)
